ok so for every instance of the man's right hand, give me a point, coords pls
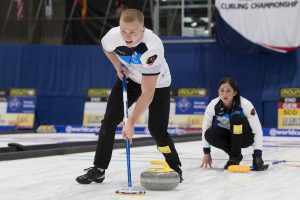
(122, 71)
(206, 161)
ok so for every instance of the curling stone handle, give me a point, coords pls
(163, 163)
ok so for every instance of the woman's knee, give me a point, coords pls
(209, 135)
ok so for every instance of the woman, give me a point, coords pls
(231, 123)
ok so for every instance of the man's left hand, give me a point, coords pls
(128, 131)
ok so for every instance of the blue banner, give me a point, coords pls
(190, 105)
(21, 104)
(137, 130)
(275, 132)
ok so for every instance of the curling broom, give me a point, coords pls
(246, 168)
(129, 191)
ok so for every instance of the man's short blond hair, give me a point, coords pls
(131, 15)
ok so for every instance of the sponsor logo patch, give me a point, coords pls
(252, 112)
(151, 60)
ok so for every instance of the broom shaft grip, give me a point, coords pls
(125, 105)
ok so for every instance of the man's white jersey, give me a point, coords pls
(216, 116)
(146, 58)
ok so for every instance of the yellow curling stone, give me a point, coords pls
(160, 178)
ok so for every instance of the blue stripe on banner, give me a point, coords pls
(7, 128)
(137, 129)
(92, 129)
(281, 132)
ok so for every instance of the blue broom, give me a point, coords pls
(129, 190)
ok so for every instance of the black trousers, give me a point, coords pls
(157, 124)
(231, 141)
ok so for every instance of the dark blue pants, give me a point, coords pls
(228, 141)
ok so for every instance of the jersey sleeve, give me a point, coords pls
(108, 41)
(254, 122)
(152, 61)
(207, 122)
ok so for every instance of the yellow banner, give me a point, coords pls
(21, 92)
(92, 119)
(290, 92)
(192, 92)
(290, 112)
(17, 119)
(98, 92)
(186, 120)
(289, 119)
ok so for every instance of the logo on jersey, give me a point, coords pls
(252, 112)
(120, 52)
(151, 60)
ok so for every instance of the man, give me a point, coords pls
(137, 53)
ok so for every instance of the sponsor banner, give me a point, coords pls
(92, 119)
(289, 119)
(187, 107)
(3, 93)
(190, 105)
(3, 107)
(192, 92)
(270, 23)
(137, 130)
(283, 112)
(7, 128)
(98, 92)
(95, 105)
(17, 106)
(289, 92)
(172, 130)
(22, 92)
(21, 104)
(96, 99)
(289, 105)
(94, 129)
(3, 101)
(77, 129)
(18, 120)
(93, 113)
(46, 129)
(193, 121)
(289, 108)
(281, 132)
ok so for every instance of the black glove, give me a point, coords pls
(258, 163)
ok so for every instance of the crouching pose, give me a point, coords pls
(231, 123)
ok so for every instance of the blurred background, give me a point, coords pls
(50, 57)
(85, 21)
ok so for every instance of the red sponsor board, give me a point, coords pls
(289, 106)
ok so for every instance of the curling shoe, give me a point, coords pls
(93, 174)
(233, 161)
(177, 169)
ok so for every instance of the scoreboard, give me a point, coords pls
(289, 108)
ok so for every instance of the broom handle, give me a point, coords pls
(125, 105)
